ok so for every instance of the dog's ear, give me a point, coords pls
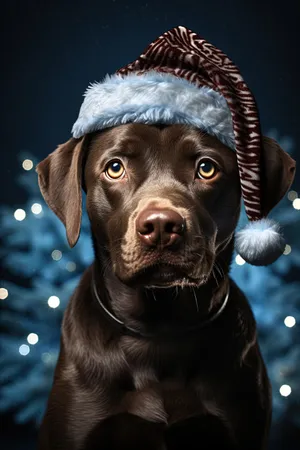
(278, 173)
(60, 180)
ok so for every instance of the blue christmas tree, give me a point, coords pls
(35, 249)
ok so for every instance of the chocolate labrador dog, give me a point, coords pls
(159, 347)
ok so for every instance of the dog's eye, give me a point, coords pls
(115, 169)
(207, 170)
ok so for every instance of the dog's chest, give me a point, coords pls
(162, 389)
(167, 400)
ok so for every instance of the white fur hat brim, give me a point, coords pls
(154, 98)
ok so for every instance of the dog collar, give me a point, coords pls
(133, 332)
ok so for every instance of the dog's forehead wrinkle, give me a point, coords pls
(160, 152)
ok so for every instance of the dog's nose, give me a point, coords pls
(162, 228)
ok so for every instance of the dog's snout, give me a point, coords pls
(160, 227)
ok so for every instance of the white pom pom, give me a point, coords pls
(260, 243)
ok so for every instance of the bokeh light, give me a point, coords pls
(56, 255)
(32, 338)
(36, 208)
(239, 260)
(296, 203)
(53, 301)
(19, 214)
(3, 293)
(285, 390)
(24, 349)
(71, 266)
(290, 321)
(292, 195)
(27, 164)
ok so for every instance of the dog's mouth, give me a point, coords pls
(164, 276)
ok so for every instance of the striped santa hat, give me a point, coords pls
(182, 79)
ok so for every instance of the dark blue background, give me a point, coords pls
(52, 50)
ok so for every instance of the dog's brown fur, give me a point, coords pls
(206, 389)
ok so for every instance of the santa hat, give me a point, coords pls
(182, 79)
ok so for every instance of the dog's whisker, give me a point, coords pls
(219, 269)
(196, 299)
(104, 266)
(213, 274)
(117, 241)
(155, 299)
(222, 245)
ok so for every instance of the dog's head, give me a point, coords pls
(163, 201)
